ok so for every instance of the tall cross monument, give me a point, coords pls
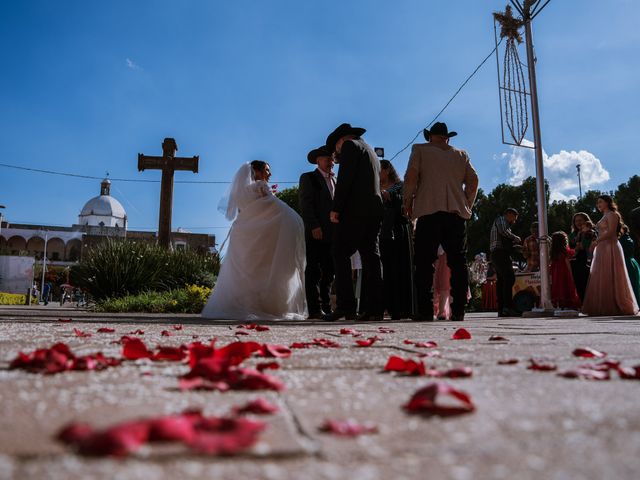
(168, 163)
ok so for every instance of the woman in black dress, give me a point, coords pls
(396, 246)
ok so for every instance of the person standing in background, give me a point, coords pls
(531, 249)
(396, 250)
(609, 290)
(581, 243)
(502, 247)
(315, 198)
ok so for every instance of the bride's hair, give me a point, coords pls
(257, 166)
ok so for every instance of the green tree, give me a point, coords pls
(628, 196)
(290, 197)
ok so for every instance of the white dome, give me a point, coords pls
(103, 206)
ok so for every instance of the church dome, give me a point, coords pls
(103, 210)
(104, 205)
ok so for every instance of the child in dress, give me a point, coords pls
(563, 288)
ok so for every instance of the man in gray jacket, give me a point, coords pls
(440, 187)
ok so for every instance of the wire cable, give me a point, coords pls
(133, 180)
(450, 100)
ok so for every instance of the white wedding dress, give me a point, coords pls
(262, 272)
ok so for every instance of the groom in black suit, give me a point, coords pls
(315, 198)
(357, 214)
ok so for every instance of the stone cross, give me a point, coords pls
(168, 163)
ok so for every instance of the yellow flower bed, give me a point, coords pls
(12, 299)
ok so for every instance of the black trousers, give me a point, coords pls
(318, 275)
(448, 230)
(503, 265)
(358, 235)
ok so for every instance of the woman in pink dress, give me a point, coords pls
(442, 287)
(609, 290)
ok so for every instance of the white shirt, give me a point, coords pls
(330, 178)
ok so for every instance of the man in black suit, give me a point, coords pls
(315, 198)
(357, 214)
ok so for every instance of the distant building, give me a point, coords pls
(101, 217)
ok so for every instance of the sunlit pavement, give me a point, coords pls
(527, 423)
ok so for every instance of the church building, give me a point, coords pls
(101, 217)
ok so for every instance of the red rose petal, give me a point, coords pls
(429, 344)
(137, 332)
(300, 345)
(586, 373)
(498, 338)
(64, 320)
(461, 334)
(629, 373)
(410, 367)
(509, 361)
(385, 330)
(81, 334)
(347, 428)
(588, 353)
(276, 351)
(543, 367)
(440, 399)
(172, 354)
(459, 372)
(118, 441)
(177, 327)
(220, 436)
(241, 332)
(259, 406)
(171, 429)
(106, 330)
(348, 331)
(134, 348)
(166, 333)
(408, 342)
(74, 433)
(262, 328)
(367, 343)
(267, 366)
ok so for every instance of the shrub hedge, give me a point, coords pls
(190, 299)
(117, 268)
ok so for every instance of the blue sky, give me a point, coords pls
(85, 86)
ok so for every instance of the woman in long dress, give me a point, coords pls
(396, 246)
(609, 290)
(262, 272)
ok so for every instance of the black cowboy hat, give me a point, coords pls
(342, 131)
(439, 128)
(313, 155)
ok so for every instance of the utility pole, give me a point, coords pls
(543, 234)
(579, 181)
(44, 263)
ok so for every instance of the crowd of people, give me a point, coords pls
(409, 236)
(592, 269)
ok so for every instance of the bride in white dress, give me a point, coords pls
(262, 273)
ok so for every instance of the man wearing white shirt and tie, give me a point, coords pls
(315, 198)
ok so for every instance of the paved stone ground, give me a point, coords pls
(527, 424)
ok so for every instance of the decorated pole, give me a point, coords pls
(543, 234)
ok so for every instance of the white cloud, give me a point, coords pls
(132, 65)
(559, 169)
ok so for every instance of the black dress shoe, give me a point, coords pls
(370, 317)
(339, 314)
(509, 312)
(317, 315)
(457, 317)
